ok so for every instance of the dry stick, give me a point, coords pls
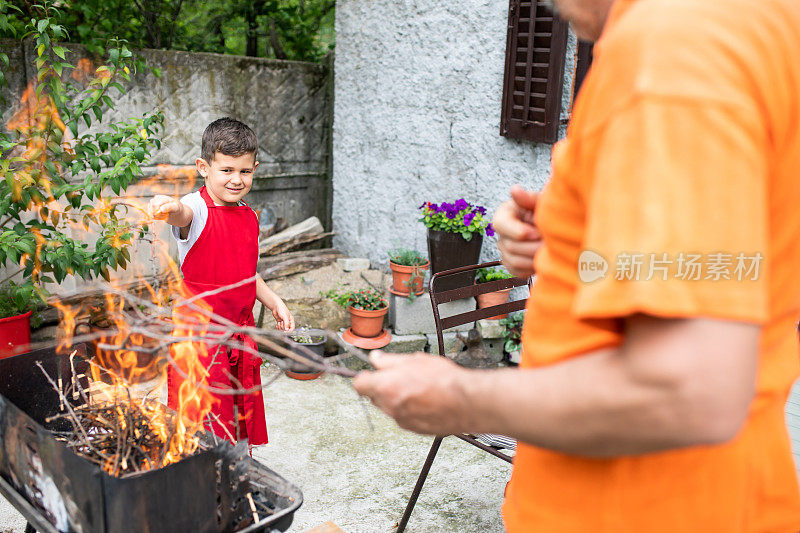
(231, 329)
(71, 412)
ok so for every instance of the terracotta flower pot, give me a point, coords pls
(401, 278)
(450, 250)
(494, 298)
(365, 323)
(15, 334)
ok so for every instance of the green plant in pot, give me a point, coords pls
(512, 335)
(367, 309)
(308, 338)
(455, 236)
(485, 275)
(408, 272)
(56, 176)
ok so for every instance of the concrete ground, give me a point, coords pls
(356, 468)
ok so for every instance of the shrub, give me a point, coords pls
(491, 274)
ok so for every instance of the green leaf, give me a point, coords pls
(59, 51)
(42, 25)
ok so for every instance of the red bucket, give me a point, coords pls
(15, 334)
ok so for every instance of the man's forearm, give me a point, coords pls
(654, 393)
(673, 383)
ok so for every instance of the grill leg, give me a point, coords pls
(420, 481)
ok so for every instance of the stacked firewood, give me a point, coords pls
(295, 250)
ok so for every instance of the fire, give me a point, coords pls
(127, 356)
(131, 328)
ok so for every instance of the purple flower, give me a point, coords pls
(450, 214)
(423, 205)
(468, 218)
(480, 209)
(445, 207)
(461, 204)
(490, 230)
(433, 207)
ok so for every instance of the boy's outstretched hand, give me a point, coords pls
(161, 206)
(283, 317)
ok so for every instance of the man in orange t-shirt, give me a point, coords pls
(660, 339)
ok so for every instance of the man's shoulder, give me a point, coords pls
(699, 49)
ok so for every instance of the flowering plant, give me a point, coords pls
(459, 217)
(366, 299)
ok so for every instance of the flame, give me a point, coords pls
(140, 357)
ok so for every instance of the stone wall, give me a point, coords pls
(417, 117)
(287, 103)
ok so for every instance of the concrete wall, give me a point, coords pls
(287, 103)
(418, 87)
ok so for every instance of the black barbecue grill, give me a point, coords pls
(218, 489)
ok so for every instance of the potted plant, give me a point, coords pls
(512, 335)
(484, 275)
(408, 271)
(367, 309)
(312, 339)
(56, 175)
(455, 236)
(18, 313)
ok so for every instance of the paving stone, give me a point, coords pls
(406, 343)
(409, 318)
(490, 329)
(349, 264)
(451, 343)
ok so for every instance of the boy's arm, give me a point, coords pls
(280, 312)
(173, 211)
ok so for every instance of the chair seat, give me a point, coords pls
(496, 441)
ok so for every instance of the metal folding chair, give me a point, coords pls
(438, 298)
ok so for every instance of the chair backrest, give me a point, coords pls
(467, 291)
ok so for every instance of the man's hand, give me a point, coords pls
(518, 237)
(161, 206)
(422, 392)
(284, 320)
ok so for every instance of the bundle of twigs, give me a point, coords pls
(117, 436)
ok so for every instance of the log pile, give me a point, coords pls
(290, 251)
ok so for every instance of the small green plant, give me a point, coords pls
(18, 300)
(303, 336)
(366, 299)
(512, 331)
(406, 257)
(491, 274)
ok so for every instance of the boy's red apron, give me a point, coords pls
(227, 252)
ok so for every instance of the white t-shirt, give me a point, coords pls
(199, 218)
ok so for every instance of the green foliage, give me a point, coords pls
(512, 331)
(406, 257)
(491, 274)
(18, 300)
(366, 299)
(55, 175)
(284, 29)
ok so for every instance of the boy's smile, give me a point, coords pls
(228, 178)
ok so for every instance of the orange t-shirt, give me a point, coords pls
(684, 144)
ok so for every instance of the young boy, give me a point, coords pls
(217, 236)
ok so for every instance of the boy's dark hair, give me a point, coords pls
(230, 137)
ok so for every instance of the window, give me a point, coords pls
(534, 73)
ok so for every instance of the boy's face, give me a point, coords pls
(228, 178)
